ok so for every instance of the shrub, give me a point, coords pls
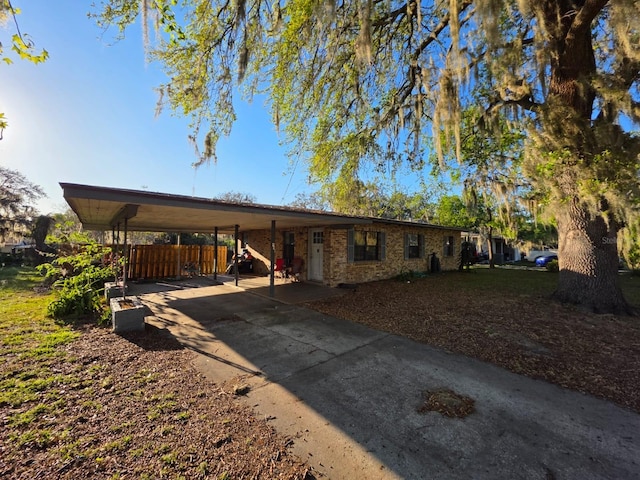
(553, 266)
(404, 275)
(79, 280)
(408, 275)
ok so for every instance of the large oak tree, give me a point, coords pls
(369, 82)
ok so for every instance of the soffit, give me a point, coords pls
(104, 208)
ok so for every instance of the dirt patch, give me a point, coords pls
(133, 406)
(125, 304)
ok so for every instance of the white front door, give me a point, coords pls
(316, 254)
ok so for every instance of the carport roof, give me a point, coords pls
(103, 208)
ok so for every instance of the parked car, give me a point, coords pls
(533, 255)
(483, 256)
(544, 260)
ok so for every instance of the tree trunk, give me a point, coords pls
(588, 259)
(492, 261)
(587, 237)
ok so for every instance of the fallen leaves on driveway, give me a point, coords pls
(448, 403)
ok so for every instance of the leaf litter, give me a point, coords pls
(525, 333)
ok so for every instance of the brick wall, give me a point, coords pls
(337, 269)
(259, 241)
(343, 271)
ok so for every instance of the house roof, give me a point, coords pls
(103, 208)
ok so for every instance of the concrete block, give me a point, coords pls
(113, 289)
(127, 314)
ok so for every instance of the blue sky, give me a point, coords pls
(87, 115)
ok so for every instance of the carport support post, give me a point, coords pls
(118, 252)
(272, 289)
(215, 253)
(179, 277)
(126, 261)
(235, 260)
(114, 254)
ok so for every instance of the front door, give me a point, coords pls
(316, 254)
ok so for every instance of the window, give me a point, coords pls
(365, 246)
(318, 237)
(413, 246)
(449, 246)
(288, 247)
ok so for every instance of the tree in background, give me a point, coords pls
(490, 164)
(17, 199)
(188, 239)
(629, 238)
(452, 211)
(371, 200)
(40, 230)
(356, 84)
(311, 201)
(237, 197)
(66, 228)
(495, 191)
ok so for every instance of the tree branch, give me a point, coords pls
(391, 16)
(525, 102)
(444, 23)
(585, 16)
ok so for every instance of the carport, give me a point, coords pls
(114, 209)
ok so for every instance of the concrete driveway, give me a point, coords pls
(348, 397)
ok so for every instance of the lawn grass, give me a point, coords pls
(29, 345)
(25, 330)
(511, 280)
(534, 281)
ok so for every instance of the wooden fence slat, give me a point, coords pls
(159, 258)
(137, 264)
(166, 261)
(174, 260)
(147, 271)
(153, 265)
(146, 263)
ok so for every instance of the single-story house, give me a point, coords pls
(502, 250)
(335, 248)
(359, 252)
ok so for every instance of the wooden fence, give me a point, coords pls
(162, 261)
